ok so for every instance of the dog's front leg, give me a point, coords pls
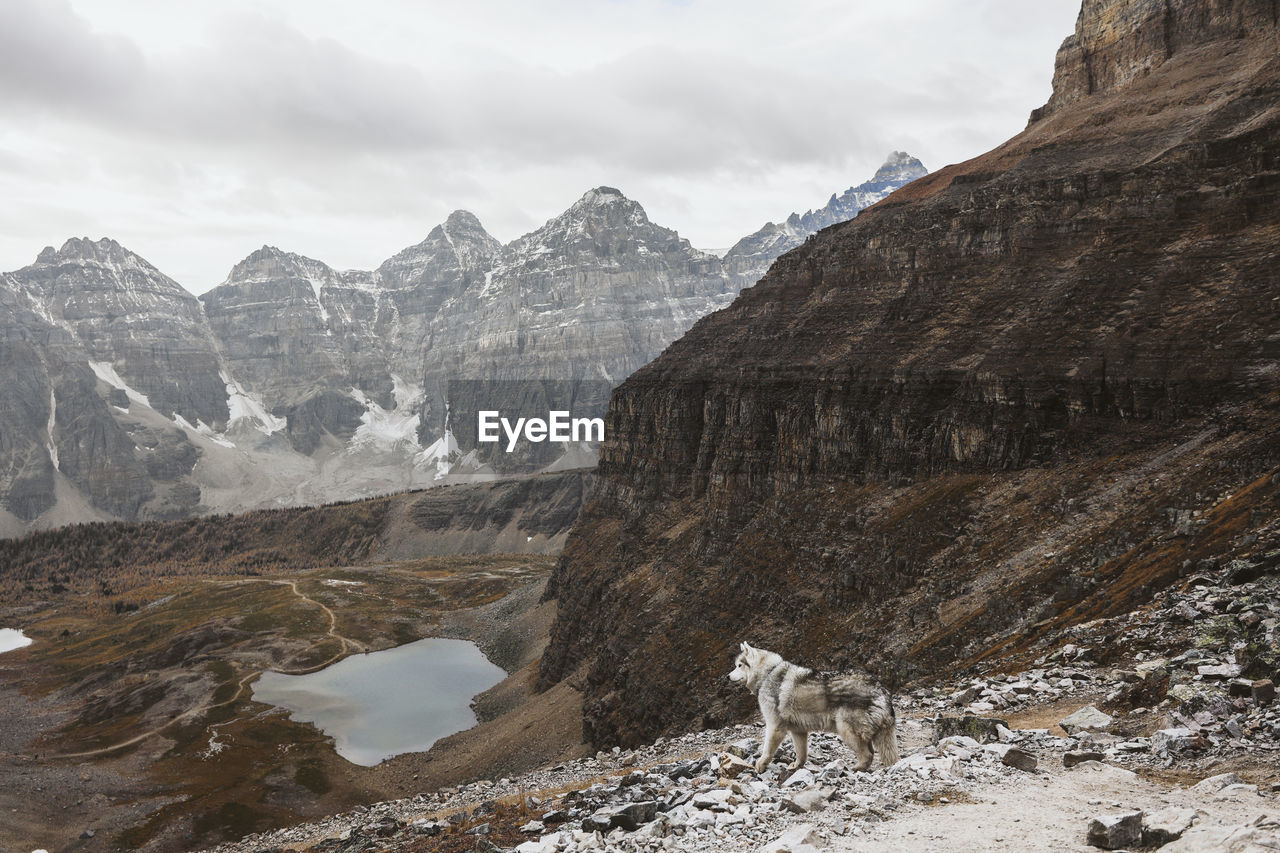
(800, 740)
(772, 739)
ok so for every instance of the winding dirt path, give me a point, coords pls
(348, 646)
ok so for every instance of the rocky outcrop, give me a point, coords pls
(579, 303)
(294, 383)
(752, 256)
(964, 415)
(291, 327)
(530, 515)
(520, 515)
(1117, 42)
(416, 282)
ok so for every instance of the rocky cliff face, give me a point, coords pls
(752, 256)
(1116, 43)
(590, 296)
(91, 332)
(1024, 391)
(131, 318)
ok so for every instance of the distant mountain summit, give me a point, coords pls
(752, 256)
(130, 316)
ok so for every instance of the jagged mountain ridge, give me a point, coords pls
(1023, 392)
(579, 303)
(751, 256)
(293, 382)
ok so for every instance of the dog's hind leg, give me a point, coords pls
(861, 748)
(800, 740)
(772, 739)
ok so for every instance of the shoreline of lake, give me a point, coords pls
(382, 704)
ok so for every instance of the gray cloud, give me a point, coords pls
(50, 58)
(353, 135)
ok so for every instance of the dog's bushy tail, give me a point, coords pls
(885, 740)
(886, 744)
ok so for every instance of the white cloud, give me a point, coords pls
(195, 132)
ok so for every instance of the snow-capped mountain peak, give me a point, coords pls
(751, 256)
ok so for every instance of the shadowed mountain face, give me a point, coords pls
(985, 406)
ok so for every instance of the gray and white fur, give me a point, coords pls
(798, 700)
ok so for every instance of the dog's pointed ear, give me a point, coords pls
(746, 647)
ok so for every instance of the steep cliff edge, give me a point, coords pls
(1025, 390)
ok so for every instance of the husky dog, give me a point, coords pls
(798, 700)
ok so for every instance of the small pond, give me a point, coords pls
(11, 638)
(384, 703)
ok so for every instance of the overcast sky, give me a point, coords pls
(195, 131)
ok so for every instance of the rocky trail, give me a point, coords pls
(1170, 744)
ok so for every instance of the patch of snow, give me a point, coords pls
(202, 428)
(442, 453)
(406, 394)
(105, 371)
(317, 285)
(215, 746)
(381, 429)
(49, 442)
(244, 406)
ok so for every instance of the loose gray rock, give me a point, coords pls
(1019, 759)
(1168, 742)
(981, 729)
(731, 766)
(1228, 839)
(1112, 832)
(1214, 784)
(801, 838)
(1087, 719)
(1071, 759)
(810, 800)
(1166, 825)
